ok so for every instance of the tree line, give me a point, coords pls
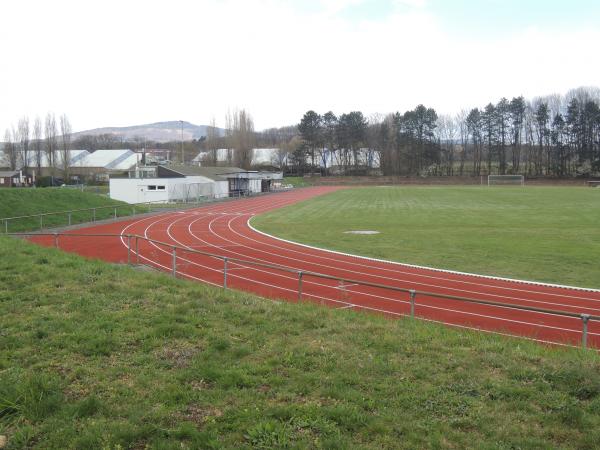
(547, 136)
(26, 145)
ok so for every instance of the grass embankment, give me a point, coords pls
(29, 201)
(549, 234)
(94, 355)
(99, 189)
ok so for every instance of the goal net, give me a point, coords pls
(506, 180)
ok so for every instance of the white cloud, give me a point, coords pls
(120, 63)
(411, 3)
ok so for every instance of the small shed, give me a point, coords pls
(251, 181)
(215, 175)
(15, 178)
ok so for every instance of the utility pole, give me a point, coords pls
(182, 154)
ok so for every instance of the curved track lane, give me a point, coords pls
(223, 229)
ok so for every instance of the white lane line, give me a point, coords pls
(421, 305)
(400, 280)
(351, 305)
(452, 272)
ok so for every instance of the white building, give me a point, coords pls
(102, 163)
(259, 156)
(188, 183)
(81, 164)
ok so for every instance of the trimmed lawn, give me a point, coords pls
(549, 234)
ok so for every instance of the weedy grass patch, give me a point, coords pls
(94, 355)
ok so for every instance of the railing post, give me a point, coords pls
(585, 318)
(41, 222)
(115, 213)
(300, 274)
(174, 261)
(128, 249)
(93, 214)
(225, 272)
(5, 226)
(344, 292)
(69, 219)
(56, 240)
(413, 294)
(137, 253)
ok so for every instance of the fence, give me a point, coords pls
(55, 219)
(221, 270)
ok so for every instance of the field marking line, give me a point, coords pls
(487, 294)
(415, 266)
(449, 310)
(413, 282)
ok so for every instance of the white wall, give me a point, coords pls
(139, 190)
(254, 185)
(221, 188)
(136, 190)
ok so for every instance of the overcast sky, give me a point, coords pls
(122, 62)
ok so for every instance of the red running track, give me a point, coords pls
(223, 229)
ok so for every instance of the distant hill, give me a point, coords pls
(159, 131)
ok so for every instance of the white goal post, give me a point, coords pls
(506, 180)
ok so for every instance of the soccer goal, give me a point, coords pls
(506, 180)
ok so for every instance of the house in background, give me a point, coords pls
(260, 156)
(81, 166)
(15, 178)
(99, 165)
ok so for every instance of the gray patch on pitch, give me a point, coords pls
(361, 232)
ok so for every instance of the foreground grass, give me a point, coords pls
(29, 201)
(549, 234)
(100, 356)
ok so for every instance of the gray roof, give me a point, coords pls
(6, 173)
(214, 173)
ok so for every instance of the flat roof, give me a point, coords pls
(214, 173)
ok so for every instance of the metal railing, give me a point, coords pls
(176, 252)
(135, 208)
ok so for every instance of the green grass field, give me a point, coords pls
(28, 201)
(94, 355)
(549, 234)
(298, 181)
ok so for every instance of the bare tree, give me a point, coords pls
(447, 131)
(50, 133)
(243, 138)
(23, 131)
(10, 149)
(65, 141)
(284, 151)
(212, 142)
(229, 137)
(37, 144)
(461, 120)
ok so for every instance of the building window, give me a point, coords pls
(151, 188)
(160, 188)
(1, 180)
